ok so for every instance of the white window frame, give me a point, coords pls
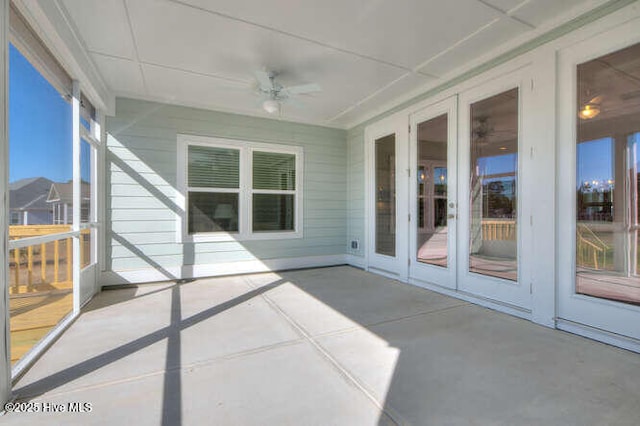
(245, 190)
(12, 218)
(92, 137)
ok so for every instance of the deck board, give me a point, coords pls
(34, 315)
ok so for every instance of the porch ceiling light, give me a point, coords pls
(589, 111)
(271, 106)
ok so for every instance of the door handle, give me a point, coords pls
(451, 216)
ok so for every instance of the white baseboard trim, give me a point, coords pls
(384, 273)
(140, 276)
(476, 300)
(603, 336)
(356, 261)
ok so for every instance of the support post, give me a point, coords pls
(77, 198)
(5, 348)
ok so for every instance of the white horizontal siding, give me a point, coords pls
(143, 203)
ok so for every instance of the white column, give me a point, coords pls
(5, 357)
(99, 191)
(539, 176)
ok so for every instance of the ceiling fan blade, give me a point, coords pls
(295, 102)
(303, 88)
(263, 80)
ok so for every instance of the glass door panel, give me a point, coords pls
(493, 186)
(608, 126)
(432, 231)
(386, 197)
(385, 201)
(599, 134)
(491, 253)
(433, 189)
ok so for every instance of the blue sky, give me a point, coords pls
(595, 161)
(498, 164)
(39, 126)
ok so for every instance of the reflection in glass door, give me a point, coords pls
(433, 182)
(385, 197)
(432, 232)
(599, 285)
(385, 191)
(607, 168)
(493, 186)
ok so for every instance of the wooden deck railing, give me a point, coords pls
(591, 251)
(43, 266)
(496, 229)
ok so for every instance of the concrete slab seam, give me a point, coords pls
(387, 411)
(190, 366)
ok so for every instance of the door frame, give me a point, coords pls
(394, 267)
(602, 319)
(514, 294)
(418, 271)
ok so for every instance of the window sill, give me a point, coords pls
(219, 237)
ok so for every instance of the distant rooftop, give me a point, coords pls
(29, 193)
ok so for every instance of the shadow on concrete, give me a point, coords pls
(172, 392)
(118, 294)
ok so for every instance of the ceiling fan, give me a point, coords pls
(590, 109)
(276, 94)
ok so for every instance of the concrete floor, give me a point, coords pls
(333, 346)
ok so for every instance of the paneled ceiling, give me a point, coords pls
(365, 54)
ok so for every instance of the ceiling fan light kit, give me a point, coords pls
(271, 106)
(589, 111)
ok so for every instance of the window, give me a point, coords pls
(273, 191)
(237, 190)
(213, 178)
(15, 218)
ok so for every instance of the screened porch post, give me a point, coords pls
(5, 365)
(77, 200)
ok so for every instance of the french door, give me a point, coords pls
(599, 150)
(445, 200)
(433, 194)
(458, 225)
(490, 228)
(386, 195)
